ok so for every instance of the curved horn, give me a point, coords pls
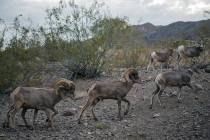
(62, 82)
(128, 73)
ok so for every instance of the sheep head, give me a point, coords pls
(131, 75)
(190, 71)
(65, 88)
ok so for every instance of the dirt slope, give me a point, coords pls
(187, 120)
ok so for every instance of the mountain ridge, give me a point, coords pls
(176, 30)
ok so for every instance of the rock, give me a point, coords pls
(125, 121)
(89, 133)
(2, 135)
(101, 126)
(86, 124)
(110, 134)
(207, 70)
(81, 134)
(198, 87)
(156, 115)
(196, 97)
(172, 94)
(70, 112)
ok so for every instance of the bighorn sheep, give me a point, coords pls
(116, 90)
(189, 52)
(171, 79)
(160, 57)
(39, 99)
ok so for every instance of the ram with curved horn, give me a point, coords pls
(116, 90)
(39, 99)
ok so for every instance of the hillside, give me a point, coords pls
(187, 120)
(176, 30)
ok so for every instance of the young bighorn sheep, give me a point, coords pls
(188, 52)
(116, 90)
(39, 99)
(171, 79)
(160, 57)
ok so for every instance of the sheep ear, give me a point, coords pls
(127, 78)
(59, 89)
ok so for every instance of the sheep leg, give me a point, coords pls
(178, 61)
(13, 113)
(153, 95)
(35, 115)
(128, 105)
(92, 110)
(150, 62)
(6, 123)
(161, 67)
(55, 112)
(119, 108)
(179, 95)
(83, 109)
(167, 64)
(49, 116)
(148, 66)
(159, 94)
(23, 113)
(153, 67)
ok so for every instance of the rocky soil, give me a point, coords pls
(187, 120)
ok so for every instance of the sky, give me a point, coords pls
(158, 12)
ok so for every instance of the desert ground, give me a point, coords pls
(189, 119)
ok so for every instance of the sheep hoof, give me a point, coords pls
(30, 127)
(150, 107)
(126, 113)
(5, 124)
(95, 119)
(78, 121)
(49, 126)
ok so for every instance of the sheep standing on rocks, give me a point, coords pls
(161, 57)
(171, 79)
(39, 99)
(188, 52)
(116, 90)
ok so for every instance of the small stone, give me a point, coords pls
(70, 112)
(198, 87)
(89, 133)
(196, 97)
(2, 135)
(81, 134)
(173, 94)
(86, 124)
(156, 115)
(125, 121)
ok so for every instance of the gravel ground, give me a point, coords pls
(187, 120)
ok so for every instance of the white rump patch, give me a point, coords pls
(153, 54)
(180, 48)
